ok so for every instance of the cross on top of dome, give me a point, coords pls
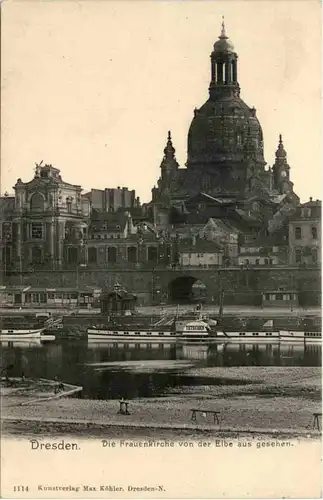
(224, 44)
(223, 33)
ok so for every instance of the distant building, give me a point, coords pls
(199, 253)
(116, 225)
(255, 254)
(108, 234)
(31, 296)
(305, 234)
(112, 199)
(280, 298)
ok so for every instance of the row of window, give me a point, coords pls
(105, 236)
(42, 297)
(306, 212)
(298, 233)
(37, 232)
(301, 253)
(307, 334)
(138, 345)
(144, 333)
(280, 296)
(257, 262)
(189, 255)
(132, 254)
(224, 72)
(46, 297)
(37, 202)
(259, 250)
(255, 334)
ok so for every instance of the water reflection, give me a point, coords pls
(70, 362)
(21, 343)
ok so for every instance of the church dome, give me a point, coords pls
(220, 130)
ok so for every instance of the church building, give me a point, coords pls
(225, 176)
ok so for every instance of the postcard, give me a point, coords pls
(160, 295)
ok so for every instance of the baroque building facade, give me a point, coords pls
(48, 221)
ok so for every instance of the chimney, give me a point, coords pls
(311, 199)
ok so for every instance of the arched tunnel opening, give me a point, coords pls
(187, 289)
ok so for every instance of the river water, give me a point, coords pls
(109, 371)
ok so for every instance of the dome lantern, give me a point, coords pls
(224, 71)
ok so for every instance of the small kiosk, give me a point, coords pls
(117, 301)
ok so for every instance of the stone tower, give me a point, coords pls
(282, 182)
(169, 165)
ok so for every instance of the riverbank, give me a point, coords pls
(173, 310)
(271, 402)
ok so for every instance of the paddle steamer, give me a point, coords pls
(202, 329)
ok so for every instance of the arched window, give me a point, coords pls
(314, 255)
(234, 71)
(132, 254)
(213, 71)
(314, 232)
(220, 72)
(256, 206)
(201, 207)
(225, 73)
(37, 202)
(298, 233)
(112, 255)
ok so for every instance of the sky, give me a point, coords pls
(92, 87)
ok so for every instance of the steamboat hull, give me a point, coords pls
(20, 335)
(292, 337)
(137, 337)
(236, 337)
(299, 336)
(250, 337)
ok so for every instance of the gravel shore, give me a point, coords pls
(272, 400)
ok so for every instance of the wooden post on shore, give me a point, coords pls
(221, 303)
